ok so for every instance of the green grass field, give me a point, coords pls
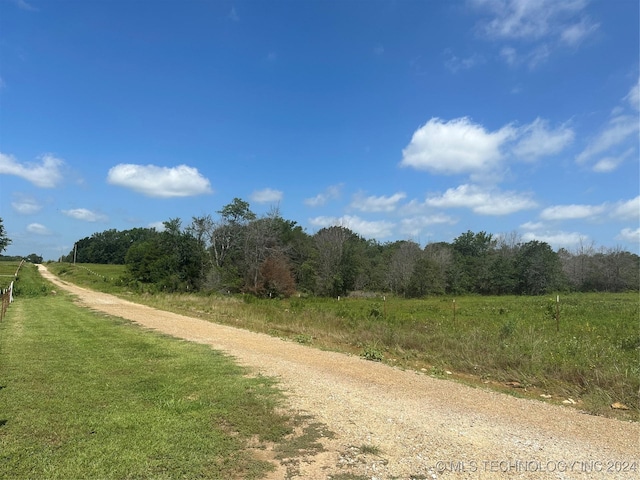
(7, 272)
(593, 358)
(90, 396)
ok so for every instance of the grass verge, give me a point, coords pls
(90, 396)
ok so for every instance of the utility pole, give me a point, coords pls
(75, 252)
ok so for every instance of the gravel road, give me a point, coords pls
(389, 423)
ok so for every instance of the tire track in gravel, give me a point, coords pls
(421, 427)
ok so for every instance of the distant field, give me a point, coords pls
(7, 272)
(591, 355)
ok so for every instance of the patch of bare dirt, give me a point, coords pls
(387, 423)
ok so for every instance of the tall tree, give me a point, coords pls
(401, 264)
(5, 241)
(538, 268)
(330, 244)
(470, 271)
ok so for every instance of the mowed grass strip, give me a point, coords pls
(89, 396)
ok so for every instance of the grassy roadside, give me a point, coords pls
(89, 396)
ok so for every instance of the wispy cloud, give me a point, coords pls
(85, 215)
(623, 210)
(629, 235)
(454, 64)
(572, 212)
(160, 182)
(539, 27)
(414, 226)
(22, 4)
(377, 204)
(617, 131)
(633, 97)
(618, 139)
(365, 228)
(331, 193)
(533, 20)
(268, 195)
(538, 140)
(45, 174)
(557, 239)
(25, 205)
(38, 229)
(627, 210)
(233, 15)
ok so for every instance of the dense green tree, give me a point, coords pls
(108, 247)
(172, 260)
(538, 269)
(426, 278)
(34, 258)
(470, 269)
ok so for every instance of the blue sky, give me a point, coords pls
(397, 119)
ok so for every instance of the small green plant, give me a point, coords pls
(372, 352)
(303, 338)
(370, 449)
(375, 311)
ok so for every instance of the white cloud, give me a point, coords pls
(457, 146)
(544, 25)
(629, 235)
(532, 225)
(536, 140)
(531, 58)
(609, 164)
(367, 229)
(482, 201)
(268, 195)
(532, 20)
(633, 97)
(377, 204)
(413, 226)
(627, 210)
(162, 182)
(46, 174)
(619, 129)
(331, 193)
(38, 229)
(26, 205)
(233, 15)
(572, 212)
(573, 34)
(454, 63)
(460, 146)
(85, 215)
(555, 239)
(159, 226)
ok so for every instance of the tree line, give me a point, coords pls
(271, 256)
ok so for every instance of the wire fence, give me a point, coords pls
(7, 294)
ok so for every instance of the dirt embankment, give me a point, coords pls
(389, 423)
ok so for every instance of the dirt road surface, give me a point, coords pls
(389, 423)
